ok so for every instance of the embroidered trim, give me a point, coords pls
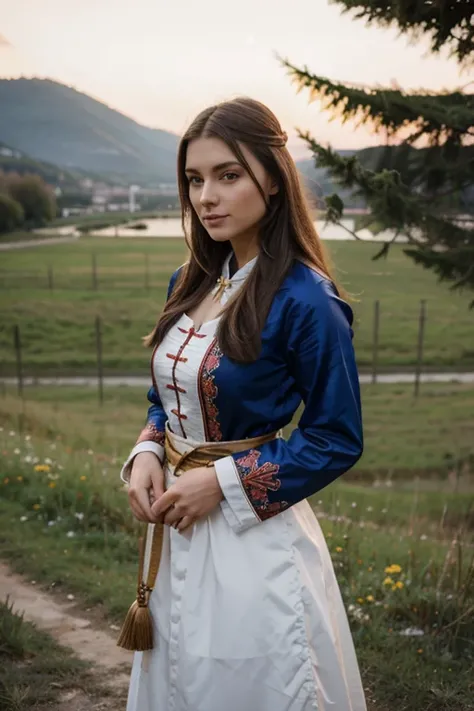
(208, 392)
(151, 433)
(258, 481)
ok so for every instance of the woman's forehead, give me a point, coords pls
(210, 153)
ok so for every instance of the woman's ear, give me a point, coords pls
(274, 189)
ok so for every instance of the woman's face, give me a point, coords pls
(220, 186)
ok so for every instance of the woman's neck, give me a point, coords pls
(242, 254)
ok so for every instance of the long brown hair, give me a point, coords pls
(286, 231)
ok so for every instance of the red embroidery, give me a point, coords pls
(151, 433)
(258, 481)
(208, 392)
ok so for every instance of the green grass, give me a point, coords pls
(64, 519)
(34, 671)
(430, 436)
(24, 236)
(57, 326)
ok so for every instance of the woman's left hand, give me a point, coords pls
(194, 495)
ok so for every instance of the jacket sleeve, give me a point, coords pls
(152, 436)
(262, 482)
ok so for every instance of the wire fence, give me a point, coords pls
(95, 365)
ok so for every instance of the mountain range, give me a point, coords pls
(57, 128)
(55, 123)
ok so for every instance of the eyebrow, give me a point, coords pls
(216, 168)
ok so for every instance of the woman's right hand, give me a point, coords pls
(147, 484)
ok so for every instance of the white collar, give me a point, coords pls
(226, 285)
(241, 273)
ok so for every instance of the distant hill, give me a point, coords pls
(14, 161)
(55, 123)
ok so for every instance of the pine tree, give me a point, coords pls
(421, 183)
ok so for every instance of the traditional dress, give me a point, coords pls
(246, 609)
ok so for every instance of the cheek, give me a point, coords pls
(247, 201)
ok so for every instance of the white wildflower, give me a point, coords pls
(70, 597)
(412, 632)
(16, 451)
(70, 534)
(79, 516)
(423, 537)
(12, 434)
(24, 518)
(370, 508)
(48, 460)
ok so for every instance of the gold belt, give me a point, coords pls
(137, 630)
(204, 455)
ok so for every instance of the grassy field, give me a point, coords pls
(34, 671)
(57, 323)
(402, 548)
(38, 674)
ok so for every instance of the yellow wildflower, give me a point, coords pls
(388, 581)
(83, 477)
(42, 468)
(19, 478)
(360, 600)
(369, 569)
(36, 507)
(370, 598)
(399, 584)
(52, 484)
(329, 535)
(339, 549)
(395, 568)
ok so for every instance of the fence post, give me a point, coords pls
(19, 365)
(94, 272)
(147, 273)
(421, 335)
(100, 373)
(375, 347)
(50, 278)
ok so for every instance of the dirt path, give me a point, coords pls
(111, 664)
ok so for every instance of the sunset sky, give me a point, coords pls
(160, 62)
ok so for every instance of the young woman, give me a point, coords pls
(247, 613)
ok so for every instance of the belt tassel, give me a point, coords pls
(137, 630)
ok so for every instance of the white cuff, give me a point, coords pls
(236, 507)
(147, 446)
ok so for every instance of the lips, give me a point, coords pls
(214, 219)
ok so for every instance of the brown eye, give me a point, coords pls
(231, 176)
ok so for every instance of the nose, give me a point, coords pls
(208, 194)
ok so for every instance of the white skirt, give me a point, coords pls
(247, 622)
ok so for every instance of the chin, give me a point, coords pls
(218, 235)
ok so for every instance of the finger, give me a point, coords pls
(185, 523)
(136, 511)
(141, 498)
(164, 502)
(158, 484)
(173, 515)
